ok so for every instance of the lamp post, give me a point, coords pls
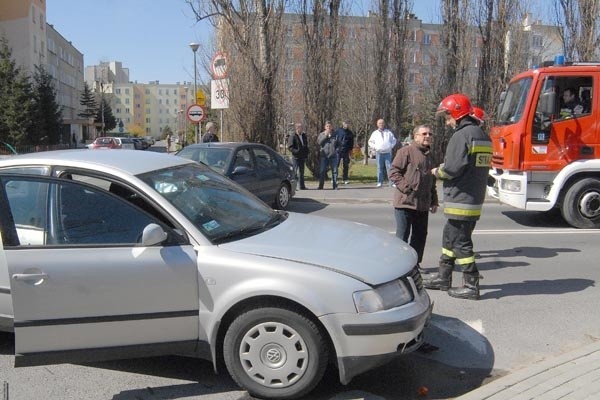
(194, 46)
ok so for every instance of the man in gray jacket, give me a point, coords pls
(328, 153)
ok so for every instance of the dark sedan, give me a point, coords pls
(256, 167)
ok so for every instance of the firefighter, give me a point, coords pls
(464, 175)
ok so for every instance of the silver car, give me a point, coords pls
(119, 254)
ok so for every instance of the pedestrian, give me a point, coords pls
(464, 174)
(328, 154)
(415, 195)
(382, 140)
(346, 139)
(168, 143)
(210, 135)
(298, 145)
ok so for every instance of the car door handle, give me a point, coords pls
(30, 277)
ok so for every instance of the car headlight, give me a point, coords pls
(510, 185)
(384, 297)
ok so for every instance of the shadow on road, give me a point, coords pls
(548, 219)
(306, 206)
(528, 288)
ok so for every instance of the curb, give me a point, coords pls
(573, 375)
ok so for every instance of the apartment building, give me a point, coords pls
(147, 107)
(34, 42)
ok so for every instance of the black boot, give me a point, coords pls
(470, 288)
(441, 280)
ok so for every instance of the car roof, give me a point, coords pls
(133, 162)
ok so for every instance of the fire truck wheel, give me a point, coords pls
(581, 205)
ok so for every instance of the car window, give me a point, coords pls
(243, 158)
(67, 213)
(264, 159)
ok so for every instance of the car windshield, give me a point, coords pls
(511, 108)
(221, 210)
(214, 157)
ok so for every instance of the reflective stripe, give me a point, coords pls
(480, 146)
(441, 173)
(447, 252)
(462, 211)
(466, 260)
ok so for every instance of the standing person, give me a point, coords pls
(328, 153)
(464, 173)
(382, 140)
(298, 145)
(210, 135)
(168, 143)
(415, 195)
(346, 139)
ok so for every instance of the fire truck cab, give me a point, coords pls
(546, 143)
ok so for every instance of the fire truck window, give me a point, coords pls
(575, 97)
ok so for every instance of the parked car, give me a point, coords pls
(104, 143)
(256, 167)
(140, 144)
(123, 254)
(150, 140)
(125, 143)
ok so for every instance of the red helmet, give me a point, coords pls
(479, 113)
(457, 105)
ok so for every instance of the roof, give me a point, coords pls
(133, 162)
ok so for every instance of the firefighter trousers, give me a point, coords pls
(457, 246)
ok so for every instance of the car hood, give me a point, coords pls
(366, 253)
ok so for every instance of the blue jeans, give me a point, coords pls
(384, 162)
(413, 224)
(331, 163)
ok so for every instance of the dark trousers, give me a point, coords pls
(344, 159)
(328, 163)
(457, 245)
(412, 224)
(299, 170)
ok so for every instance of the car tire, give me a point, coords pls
(581, 205)
(282, 199)
(275, 352)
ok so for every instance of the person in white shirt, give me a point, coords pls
(382, 140)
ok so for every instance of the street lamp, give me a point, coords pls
(194, 46)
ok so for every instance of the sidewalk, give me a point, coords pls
(574, 375)
(351, 193)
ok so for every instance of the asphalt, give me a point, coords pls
(574, 375)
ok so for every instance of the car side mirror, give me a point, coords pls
(153, 234)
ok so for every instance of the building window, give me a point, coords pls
(126, 110)
(33, 14)
(147, 91)
(118, 110)
(126, 90)
(413, 36)
(147, 111)
(127, 100)
(118, 91)
(537, 41)
(427, 39)
(147, 120)
(412, 77)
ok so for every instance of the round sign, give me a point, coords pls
(195, 113)
(219, 66)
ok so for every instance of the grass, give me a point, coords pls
(358, 173)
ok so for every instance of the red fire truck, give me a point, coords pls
(546, 142)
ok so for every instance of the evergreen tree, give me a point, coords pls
(110, 121)
(47, 116)
(15, 99)
(88, 101)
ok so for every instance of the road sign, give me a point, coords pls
(200, 97)
(219, 66)
(195, 113)
(219, 94)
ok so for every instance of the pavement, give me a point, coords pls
(574, 375)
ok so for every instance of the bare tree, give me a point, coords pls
(323, 42)
(250, 32)
(580, 21)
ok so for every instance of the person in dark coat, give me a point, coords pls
(210, 135)
(298, 146)
(346, 139)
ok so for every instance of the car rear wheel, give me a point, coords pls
(581, 205)
(275, 353)
(282, 199)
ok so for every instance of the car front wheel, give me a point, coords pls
(282, 200)
(275, 353)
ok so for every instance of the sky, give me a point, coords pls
(151, 37)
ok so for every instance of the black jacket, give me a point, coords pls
(299, 149)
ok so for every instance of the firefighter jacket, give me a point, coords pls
(465, 171)
(411, 173)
